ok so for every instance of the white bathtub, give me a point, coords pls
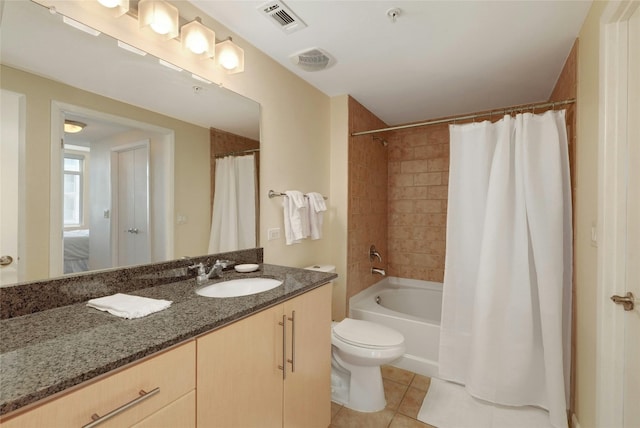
(413, 308)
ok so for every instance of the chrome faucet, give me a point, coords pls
(378, 271)
(215, 272)
(373, 253)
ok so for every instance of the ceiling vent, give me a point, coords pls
(281, 16)
(313, 60)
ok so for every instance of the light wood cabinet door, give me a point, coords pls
(239, 383)
(173, 372)
(181, 413)
(307, 388)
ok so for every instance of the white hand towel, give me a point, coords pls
(296, 217)
(127, 306)
(316, 208)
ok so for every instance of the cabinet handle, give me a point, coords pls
(283, 367)
(97, 420)
(293, 342)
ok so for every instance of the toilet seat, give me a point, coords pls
(367, 334)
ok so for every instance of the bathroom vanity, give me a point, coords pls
(258, 360)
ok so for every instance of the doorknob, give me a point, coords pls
(133, 230)
(6, 260)
(627, 301)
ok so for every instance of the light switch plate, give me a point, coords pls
(273, 233)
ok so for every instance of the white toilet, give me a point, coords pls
(358, 349)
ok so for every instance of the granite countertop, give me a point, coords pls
(49, 351)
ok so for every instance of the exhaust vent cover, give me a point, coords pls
(314, 59)
(281, 16)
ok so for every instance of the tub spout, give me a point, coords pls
(378, 271)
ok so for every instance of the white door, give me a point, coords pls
(133, 206)
(632, 318)
(618, 339)
(11, 132)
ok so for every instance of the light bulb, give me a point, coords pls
(228, 60)
(159, 16)
(117, 7)
(109, 3)
(161, 23)
(230, 56)
(197, 43)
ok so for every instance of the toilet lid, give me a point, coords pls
(359, 332)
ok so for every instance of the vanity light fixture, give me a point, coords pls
(198, 39)
(159, 16)
(230, 56)
(73, 127)
(117, 7)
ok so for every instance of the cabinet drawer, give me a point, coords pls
(181, 413)
(173, 372)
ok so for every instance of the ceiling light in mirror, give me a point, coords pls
(230, 56)
(159, 16)
(73, 127)
(117, 7)
(198, 39)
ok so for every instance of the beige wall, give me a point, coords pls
(191, 167)
(295, 125)
(586, 209)
(339, 193)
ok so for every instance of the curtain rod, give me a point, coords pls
(242, 152)
(507, 110)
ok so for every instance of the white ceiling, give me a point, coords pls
(439, 58)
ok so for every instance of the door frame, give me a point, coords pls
(14, 111)
(612, 206)
(56, 243)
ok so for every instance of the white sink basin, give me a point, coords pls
(238, 287)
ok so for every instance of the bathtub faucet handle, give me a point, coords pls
(378, 271)
(373, 253)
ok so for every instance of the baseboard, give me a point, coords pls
(574, 421)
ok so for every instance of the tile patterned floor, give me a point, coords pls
(404, 392)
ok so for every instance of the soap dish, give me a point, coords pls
(246, 268)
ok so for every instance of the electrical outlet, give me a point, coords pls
(273, 233)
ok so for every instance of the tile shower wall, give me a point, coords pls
(418, 177)
(367, 222)
(223, 142)
(417, 188)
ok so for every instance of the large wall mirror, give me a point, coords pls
(143, 150)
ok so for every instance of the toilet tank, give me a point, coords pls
(322, 268)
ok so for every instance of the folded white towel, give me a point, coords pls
(296, 217)
(127, 306)
(316, 208)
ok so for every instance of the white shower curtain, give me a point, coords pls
(233, 221)
(507, 288)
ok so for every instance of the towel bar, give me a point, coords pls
(273, 194)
